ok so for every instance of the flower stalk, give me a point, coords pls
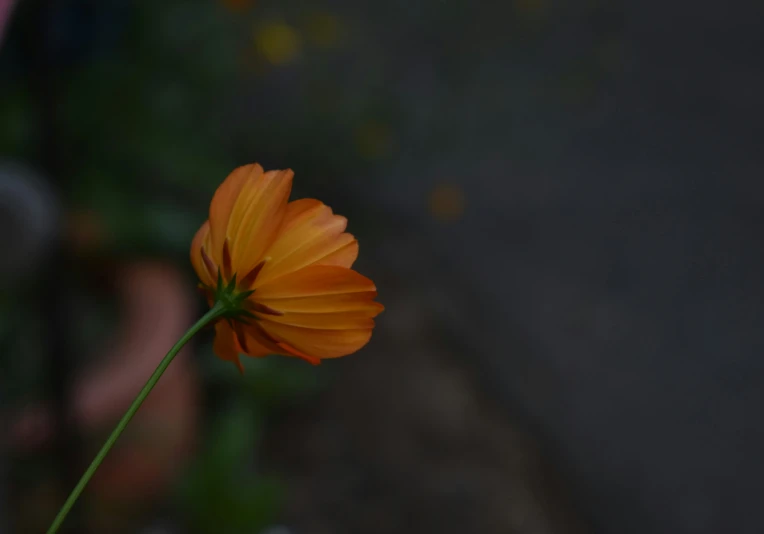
(219, 309)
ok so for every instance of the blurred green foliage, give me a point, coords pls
(221, 493)
(266, 381)
(224, 491)
(157, 101)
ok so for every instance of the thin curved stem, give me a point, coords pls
(216, 311)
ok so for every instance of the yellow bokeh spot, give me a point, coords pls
(324, 29)
(278, 43)
(374, 140)
(447, 202)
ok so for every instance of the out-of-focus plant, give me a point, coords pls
(225, 489)
(221, 492)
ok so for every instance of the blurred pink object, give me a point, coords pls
(157, 307)
(6, 6)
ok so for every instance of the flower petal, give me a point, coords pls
(310, 234)
(342, 257)
(259, 342)
(255, 331)
(320, 343)
(256, 218)
(342, 320)
(327, 310)
(252, 344)
(222, 205)
(199, 241)
(225, 345)
(313, 281)
(363, 300)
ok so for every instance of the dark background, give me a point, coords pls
(560, 203)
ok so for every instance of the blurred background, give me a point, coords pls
(560, 203)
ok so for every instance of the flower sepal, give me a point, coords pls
(232, 300)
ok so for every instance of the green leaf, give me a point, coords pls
(222, 492)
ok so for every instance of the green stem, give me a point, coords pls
(215, 312)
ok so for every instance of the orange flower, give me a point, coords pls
(295, 259)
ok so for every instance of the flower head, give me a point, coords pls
(283, 270)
